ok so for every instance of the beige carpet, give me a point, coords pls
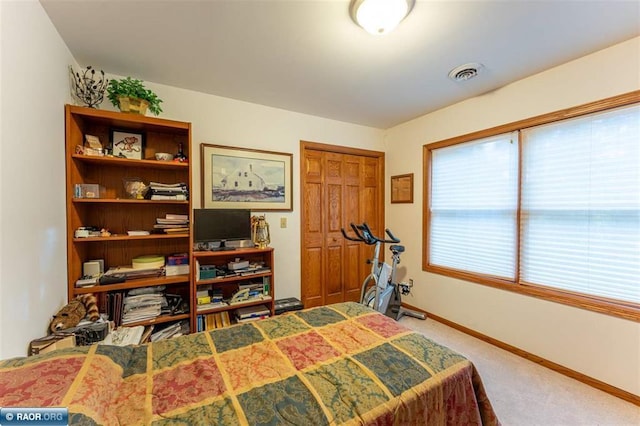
(524, 393)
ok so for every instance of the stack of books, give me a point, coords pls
(252, 313)
(142, 307)
(177, 264)
(167, 191)
(133, 273)
(172, 223)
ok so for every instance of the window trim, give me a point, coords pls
(630, 311)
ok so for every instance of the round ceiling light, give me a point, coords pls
(379, 16)
(465, 72)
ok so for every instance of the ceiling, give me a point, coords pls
(308, 56)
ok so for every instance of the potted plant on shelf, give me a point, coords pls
(130, 95)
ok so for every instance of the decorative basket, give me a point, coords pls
(132, 105)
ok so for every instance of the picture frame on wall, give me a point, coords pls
(402, 188)
(243, 178)
(127, 144)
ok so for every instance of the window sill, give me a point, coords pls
(628, 311)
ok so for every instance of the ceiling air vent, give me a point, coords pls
(465, 72)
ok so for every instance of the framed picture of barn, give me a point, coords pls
(243, 178)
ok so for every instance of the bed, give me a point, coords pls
(337, 364)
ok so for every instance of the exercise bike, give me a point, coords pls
(380, 290)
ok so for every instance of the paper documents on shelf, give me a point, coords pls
(129, 272)
(142, 307)
(124, 336)
(172, 330)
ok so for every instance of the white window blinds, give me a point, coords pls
(473, 206)
(580, 223)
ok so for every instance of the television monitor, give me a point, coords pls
(212, 226)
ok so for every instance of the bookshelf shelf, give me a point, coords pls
(126, 162)
(130, 238)
(116, 212)
(137, 283)
(125, 201)
(235, 306)
(232, 279)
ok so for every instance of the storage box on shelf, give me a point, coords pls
(115, 211)
(226, 281)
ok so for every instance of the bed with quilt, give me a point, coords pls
(337, 364)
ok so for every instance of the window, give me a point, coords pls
(548, 206)
(473, 206)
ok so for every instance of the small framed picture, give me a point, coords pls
(127, 144)
(402, 188)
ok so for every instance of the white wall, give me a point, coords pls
(600, 346)
(32, 216)
(34, 90)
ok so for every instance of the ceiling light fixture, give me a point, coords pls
(379, 16)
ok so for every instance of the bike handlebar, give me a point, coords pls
(364, 234)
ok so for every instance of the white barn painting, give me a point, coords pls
(237, 179)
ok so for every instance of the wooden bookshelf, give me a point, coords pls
(114, 210)
(230, 284)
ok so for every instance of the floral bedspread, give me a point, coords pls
(337, 364)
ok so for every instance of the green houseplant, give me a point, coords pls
(125, 92)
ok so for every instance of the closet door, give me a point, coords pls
(338, 187)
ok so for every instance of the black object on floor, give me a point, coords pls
(287, 305)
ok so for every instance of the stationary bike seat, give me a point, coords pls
(397, 248)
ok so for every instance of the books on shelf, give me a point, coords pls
(137, 233)
(172, 223)
(166, 191)
(171, 226)
(252, 313)
(177, 264)
(146, 334)
(142, 307)
(212, 321)
(176, 231)
(173, 270)
(174, 216)
(165, 221)
(206, 306)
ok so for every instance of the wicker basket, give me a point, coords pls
(132, 105)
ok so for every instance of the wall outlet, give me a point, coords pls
(283, 222)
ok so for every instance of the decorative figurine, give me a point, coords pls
(88, 88)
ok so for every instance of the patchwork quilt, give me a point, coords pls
(338, 364)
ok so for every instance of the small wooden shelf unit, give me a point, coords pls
(229, 284)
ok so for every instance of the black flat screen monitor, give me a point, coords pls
(212, 226)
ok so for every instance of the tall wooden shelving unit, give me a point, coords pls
(115, 210)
